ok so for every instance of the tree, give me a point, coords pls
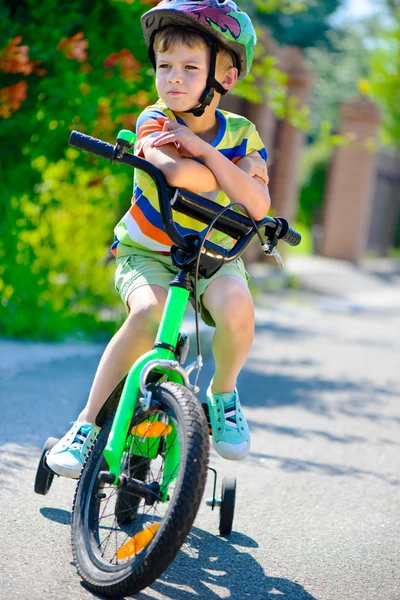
(383, 80)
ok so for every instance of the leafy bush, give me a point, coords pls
(86, 69)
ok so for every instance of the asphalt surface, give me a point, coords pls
(317, 514)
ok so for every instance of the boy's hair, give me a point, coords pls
(173, 37)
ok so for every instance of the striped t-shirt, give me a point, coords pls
(141, 226)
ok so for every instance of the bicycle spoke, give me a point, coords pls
(129, 538)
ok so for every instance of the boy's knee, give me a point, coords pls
(146, 308)
(236, 312)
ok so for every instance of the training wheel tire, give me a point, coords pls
(227, 506)
(44, 476)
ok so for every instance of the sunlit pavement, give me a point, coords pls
(318, 496)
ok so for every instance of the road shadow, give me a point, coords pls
(307, 434)
(283, 332)
(210, 567)
(359, 398)
(57, 515)
(293, 465)
(389, 274)
(271, 330)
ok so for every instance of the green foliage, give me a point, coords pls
(302, 23)
(284, 6)
(384, 82)
(266, 80)
(83, 66)
(58, 237)
(363, 57)
(337, 70)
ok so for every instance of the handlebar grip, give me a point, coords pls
(292, 237)
(90, 144)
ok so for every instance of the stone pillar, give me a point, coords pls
(284, 185)
(347, 207)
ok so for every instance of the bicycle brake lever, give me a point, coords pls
(276, 254)
(271, 250)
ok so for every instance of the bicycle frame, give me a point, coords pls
(167, 335)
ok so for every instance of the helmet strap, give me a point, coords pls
(212, 84)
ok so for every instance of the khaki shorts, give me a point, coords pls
(143, 267)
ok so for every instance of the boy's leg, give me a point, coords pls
(230, 304)
(134, 338)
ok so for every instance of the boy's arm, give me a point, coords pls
(179, 171)
(236, 183)
(254, 165)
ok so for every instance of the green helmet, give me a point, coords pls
(219, 19)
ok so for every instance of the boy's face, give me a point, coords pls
(181, 76)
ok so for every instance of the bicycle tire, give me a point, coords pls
(123, 579)
(227, 506)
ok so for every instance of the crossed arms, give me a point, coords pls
(172, 150)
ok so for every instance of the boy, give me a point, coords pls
(198, 49)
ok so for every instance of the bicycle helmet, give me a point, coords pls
(220, 22)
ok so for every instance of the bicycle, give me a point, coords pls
(143, 480)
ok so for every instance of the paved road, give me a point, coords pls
(318, 502)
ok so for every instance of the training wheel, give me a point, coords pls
(44, 475)
(227, 505)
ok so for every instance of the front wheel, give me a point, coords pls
(122, 542)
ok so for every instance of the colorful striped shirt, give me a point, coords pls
(141, 226)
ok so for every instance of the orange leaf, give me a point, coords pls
(11, 98)
(15, 59)
(74, 47)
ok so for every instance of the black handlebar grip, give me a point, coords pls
(292, 237)
(90, 144)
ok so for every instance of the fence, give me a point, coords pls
(385, 217)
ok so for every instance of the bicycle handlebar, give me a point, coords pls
(230, 222)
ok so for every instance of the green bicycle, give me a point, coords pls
(144, 478)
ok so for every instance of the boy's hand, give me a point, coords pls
(255, 166)
(188, 143)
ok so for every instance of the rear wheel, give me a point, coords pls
(44, 475)
(227, 506)
(121, 543)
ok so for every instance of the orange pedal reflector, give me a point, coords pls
(137, 542)
(151, 429)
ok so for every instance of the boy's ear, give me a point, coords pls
(230, 78)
